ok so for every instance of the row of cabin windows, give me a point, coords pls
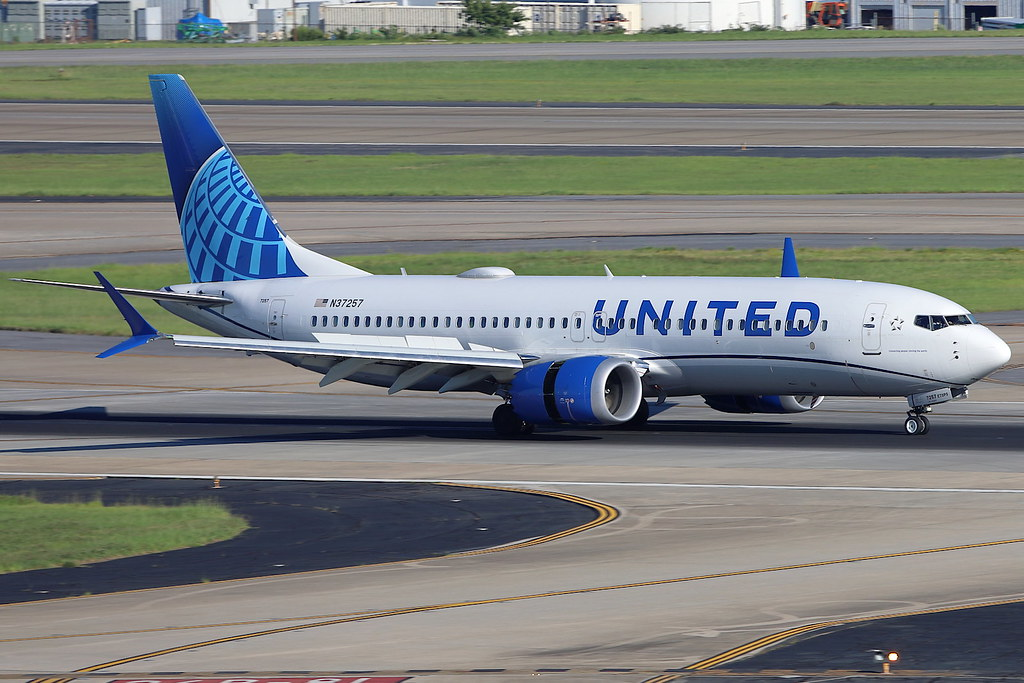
(516, 322)
(436, 321)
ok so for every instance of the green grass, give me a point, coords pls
(106, 175)
(981, 279)
(39, 535)
(989, 80)
(49, 309)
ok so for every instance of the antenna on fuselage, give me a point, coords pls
(789, 266)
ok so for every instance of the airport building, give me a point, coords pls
(246, 20)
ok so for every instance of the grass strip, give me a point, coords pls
(106, 175)
(972, 80)
(981, 279)
(38, 535)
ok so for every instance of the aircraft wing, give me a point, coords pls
(425, 355)
(492, 358)
(472, 365)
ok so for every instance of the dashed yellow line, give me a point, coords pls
(707, 663)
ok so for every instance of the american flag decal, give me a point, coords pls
(320, 303)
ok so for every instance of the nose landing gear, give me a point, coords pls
(917, 424)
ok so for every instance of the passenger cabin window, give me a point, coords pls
(313, 321)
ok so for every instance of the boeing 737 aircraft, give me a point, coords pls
(555, 350)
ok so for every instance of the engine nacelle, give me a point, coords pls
(594, 390)
(763, 404)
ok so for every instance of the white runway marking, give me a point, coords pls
(532, 484)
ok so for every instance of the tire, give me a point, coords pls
(925, 425)
(912, 426)
(639, 419)
(506, 423)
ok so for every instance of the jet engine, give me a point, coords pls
(592, 390)
(763, 404)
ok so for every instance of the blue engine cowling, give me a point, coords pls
(763, 404)
(594, 390)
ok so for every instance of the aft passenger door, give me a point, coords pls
(871, 330)
(275, 319)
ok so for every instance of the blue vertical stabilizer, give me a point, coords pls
(228, 232)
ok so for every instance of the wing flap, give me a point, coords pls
(478, 358)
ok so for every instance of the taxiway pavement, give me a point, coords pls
(322, 126)
(732, 527)
(342, 53)
(54, 232)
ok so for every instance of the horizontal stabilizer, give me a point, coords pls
(155, 294)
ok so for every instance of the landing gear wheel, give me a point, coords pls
(916, 425)
(507, 423)
(925, 425)
(639, 419)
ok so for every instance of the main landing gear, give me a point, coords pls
(506, 423)
(639, 420)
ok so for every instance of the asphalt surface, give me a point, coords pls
(719, 498)
(745, 49)
(981, 641)
(45, 232)
(372, 149)
(582, 129)
(698, 241)
(294, 527)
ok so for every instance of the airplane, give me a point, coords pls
(564, 351)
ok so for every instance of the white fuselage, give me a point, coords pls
(697, 335)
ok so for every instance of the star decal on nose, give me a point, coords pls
(896, 324)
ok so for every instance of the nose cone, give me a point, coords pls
(987, 354)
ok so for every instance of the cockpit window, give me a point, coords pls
(937, 322)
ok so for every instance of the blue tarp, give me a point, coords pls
(201, 27)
